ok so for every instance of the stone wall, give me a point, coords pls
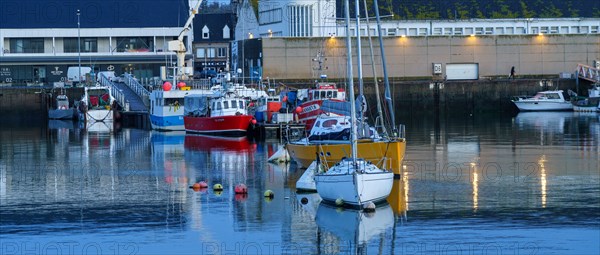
(294, 58)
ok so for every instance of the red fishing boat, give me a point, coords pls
(313, 107)
(217, 115)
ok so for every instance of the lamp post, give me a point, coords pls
(79, 44)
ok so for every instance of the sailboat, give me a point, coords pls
(370, 147)
(353, 181)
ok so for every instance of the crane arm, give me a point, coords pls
(188, 23)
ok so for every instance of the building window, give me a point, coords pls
(222, 52)
(270, 16)
(87, 45)
(300, 24)
(27, 45)
(135, 44)
(210, 53)
(205, 32)
(200, 53)
(226, 32)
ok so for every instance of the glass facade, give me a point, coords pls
(87, 45)
(27, 45)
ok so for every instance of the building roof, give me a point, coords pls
(215, 23)
(30, 14)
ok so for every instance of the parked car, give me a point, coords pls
(220, 78)
(205, 74)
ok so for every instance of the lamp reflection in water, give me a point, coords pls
(398, 198)
(475, 183)
(543, 181)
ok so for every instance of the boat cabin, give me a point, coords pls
(62, 102)
(325, 91)
(98, 98)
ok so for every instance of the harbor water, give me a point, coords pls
(486, 184)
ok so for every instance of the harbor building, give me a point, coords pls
(40, 40)
(213, 35)
(303, 39)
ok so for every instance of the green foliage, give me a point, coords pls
(469, 9)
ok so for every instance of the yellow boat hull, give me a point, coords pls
(373, 151)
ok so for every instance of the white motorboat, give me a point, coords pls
(96, 106)
(62, 110)
(550, 100)
(354, 181)
(591, 103)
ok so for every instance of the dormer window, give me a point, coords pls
(205, 32)
(226, 32)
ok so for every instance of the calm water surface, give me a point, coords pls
(524, 184)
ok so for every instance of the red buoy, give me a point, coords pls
(298, 109)
(253, 121)
(284, 99)
(167, 86)
(241, 189)
(180, 85)
(202, 184)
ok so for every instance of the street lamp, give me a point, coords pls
(79, 44)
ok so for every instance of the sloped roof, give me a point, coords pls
(215, 23)
(29, 14)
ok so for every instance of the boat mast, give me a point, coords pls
(361, 96)
(379, 110)
(353, 139)
(388, 95)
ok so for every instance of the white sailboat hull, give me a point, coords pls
(354, 187)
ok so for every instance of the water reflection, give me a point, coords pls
(543, 180)
(398, 198)
(352, 229)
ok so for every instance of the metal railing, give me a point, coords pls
(142, 92)
(588, 73)
(114, 92)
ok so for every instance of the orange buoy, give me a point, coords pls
(241, 189)
(196, 186)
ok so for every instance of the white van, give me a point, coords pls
(73, 74)
(110, 75)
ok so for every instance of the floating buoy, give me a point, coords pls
(241, 189)
(196, 186)
(269, 193)
(218, 193)
(218, 187)
(203, 184)
(369, 207)
(339, 202)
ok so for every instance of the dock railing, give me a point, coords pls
(142, 92)
(114, 91)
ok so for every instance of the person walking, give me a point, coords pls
(512, 73)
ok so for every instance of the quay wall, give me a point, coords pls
(30, 103)
(304, 58)
(424, 96)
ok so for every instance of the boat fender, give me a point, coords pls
(339, 202)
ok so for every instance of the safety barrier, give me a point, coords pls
(142, 92)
